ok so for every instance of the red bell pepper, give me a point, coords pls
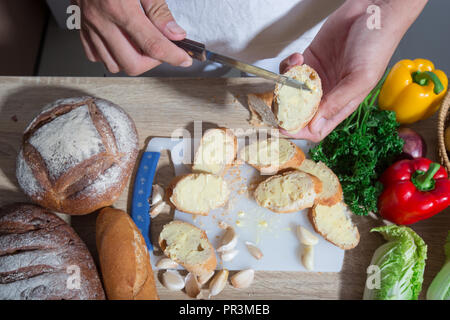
(413, 190)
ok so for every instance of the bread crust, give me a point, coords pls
(336, 197)
(199, 269)
(39, 254)
(311, 71)
(312, 219)
(124, 259)
(227, 165)
(171, 199)
(70, 193)
(317, 185)
(256, 118)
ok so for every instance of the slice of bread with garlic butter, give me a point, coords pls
(294, 108)
(334, 223)
(189, 246)
(332, 190)
(272, 155)
(216, 152)
(288, 192)
(198, 193)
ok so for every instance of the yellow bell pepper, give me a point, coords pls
(413, 89)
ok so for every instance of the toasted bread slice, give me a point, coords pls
(335, 225)
(332, 190)
(288, 192)
(272, 155)
(188, 246)
(260, 117)
(198, 193)
(294, 108)
(216, 153)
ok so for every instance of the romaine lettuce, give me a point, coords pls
(401, 263)
(440, 286)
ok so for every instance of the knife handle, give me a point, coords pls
(195, 49)
(142, 191)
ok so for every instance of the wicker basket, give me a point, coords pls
(443, 122)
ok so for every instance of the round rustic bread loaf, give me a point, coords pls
(42, 258)
(77, 155)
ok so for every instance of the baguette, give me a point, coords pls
(272, 155)
(198, 193)
(288, 192)
(188, 246)
(293, 108)
(216, 153)
(335, 225)
(332, 190)
(124, 259)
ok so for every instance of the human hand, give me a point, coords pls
(127, 37)
(350, 59)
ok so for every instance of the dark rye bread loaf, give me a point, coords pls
(77, 155)
(39, 253)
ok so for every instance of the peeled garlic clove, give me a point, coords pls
(306, 237)
(308, 257)
(192, 286)
(229, 255)
(218, 282)
(157, 194)
(157, 209)
(243, 279)
(254, 250)
(166, 263)
(172, 280)
(204, 277)
(229, 240)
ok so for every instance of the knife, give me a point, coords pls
(198, 51)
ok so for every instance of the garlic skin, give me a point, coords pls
(229, 255)
(204, 278)
(157, 194)
(172, 280)
(243, 279)
(306, 237)
(218, 283)
(192, 286)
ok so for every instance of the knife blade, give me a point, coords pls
(198, 51)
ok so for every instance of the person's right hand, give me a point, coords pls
(127, 37)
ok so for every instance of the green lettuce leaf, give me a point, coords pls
(440, 286)
(401, 263)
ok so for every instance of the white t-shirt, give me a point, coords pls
(261, 32)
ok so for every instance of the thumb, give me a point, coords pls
(159, 14)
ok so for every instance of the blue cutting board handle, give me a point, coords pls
(142, 192)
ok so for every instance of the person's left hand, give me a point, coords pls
(349, 59)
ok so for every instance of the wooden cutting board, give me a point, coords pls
(159, 106)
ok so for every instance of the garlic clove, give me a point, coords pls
(308, 258)
(306, 237)
(218, 283)
(192, 286)
(243, 279)
(254, 250)
(172, 280)
(204, 277)
(229, 240)
(157, 194)
(229, 255)
(166, 263)
(157, 209)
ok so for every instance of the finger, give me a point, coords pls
(159, 14)
(295, 59)
(153, 43)
(103, 52)
(88, 46)
(128, 57)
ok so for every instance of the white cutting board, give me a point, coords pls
(274, 234)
